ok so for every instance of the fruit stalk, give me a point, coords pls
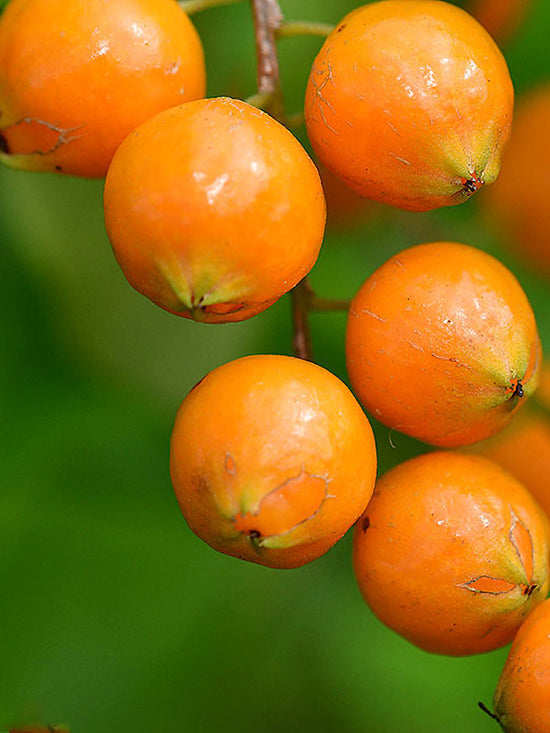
(303, 28)
(195, 6)
(268, 18)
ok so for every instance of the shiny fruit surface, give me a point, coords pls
(272, 460)
(442, 344)
(214, 210)
(522, 697)
(410, 103)
(452, 553)
(76, 77)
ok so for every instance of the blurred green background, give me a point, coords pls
(113, 616)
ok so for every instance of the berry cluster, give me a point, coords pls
(215, 211)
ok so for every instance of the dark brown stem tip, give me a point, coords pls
(518, 391)
(485, 709)
(472, 184)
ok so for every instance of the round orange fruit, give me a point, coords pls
(452, 553)
(442, 344)
(272, 460)
(76, 77)
(522, 696)
(214, 210)
(410, 103)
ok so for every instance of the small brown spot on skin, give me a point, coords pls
(365, 524)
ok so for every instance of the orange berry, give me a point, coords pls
(214, 210)
(522, 696)
(272, 460)
(518, 203)
(76, 77)
(452, 553)
(442, 344)
(410, 103)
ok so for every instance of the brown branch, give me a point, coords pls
(267, 20)
(301, 296)
(327, 304)
(304, 28)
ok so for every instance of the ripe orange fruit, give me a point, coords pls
(76, 77)
(214, 210)
(442, 344)
(452, 553)
(518, 203)
(272, 460)
(410, 103)
(522, 696)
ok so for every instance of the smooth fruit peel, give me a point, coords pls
(284, 469)
(442, 344)
(452, 553)
(214, 210)
(77, 77)
(410, 104)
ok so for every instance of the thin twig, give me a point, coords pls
(300, 296)
(303, 28)
(261, 100)
(268, 19)
(485, 709)
(327, 304)
(195, 6)
(295, 120)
